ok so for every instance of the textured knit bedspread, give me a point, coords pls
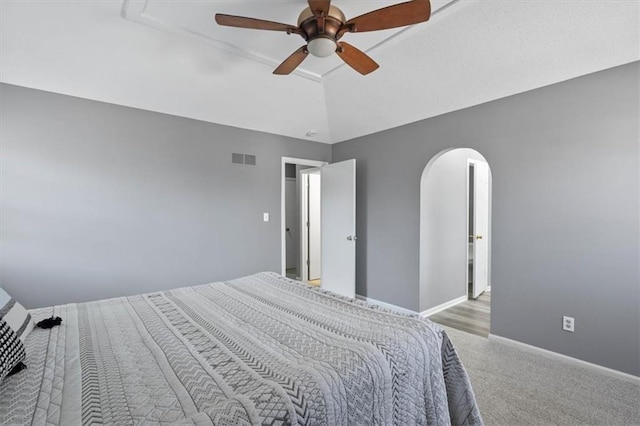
(257, 350)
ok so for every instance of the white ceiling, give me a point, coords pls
(171, 57)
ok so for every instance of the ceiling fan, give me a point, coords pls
(323, 25)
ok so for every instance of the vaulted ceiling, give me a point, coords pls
(171, 57)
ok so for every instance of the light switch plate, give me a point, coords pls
(265, 217)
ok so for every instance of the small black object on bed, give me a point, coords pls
(49, 322)
(18, 368)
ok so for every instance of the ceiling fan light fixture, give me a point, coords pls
(322, 26)
(321, 46)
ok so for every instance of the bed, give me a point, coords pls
(262, 349)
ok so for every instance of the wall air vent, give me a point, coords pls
(237, 158)
(246, 159)
(250, 160)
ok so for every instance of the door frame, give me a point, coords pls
(283, 223)
(473, 161)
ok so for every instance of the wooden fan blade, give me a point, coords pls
(356, 59)
(253, 23)
(292, 62)
(398, 15)
(319, 7)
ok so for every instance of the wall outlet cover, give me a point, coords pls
(568, 323)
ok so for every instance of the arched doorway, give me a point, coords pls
(455, 234)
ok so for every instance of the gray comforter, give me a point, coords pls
(258, 350)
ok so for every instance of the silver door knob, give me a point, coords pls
(352, 238)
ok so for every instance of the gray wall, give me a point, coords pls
(100, 200)
(565, 226)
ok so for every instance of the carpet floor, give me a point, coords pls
(516, 387)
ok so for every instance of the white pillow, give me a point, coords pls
(15, 315)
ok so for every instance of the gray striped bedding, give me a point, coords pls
(257, 350)
(15, 315)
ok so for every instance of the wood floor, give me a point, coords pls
(472, 316)
(293, 274)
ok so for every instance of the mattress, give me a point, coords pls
(262, 349)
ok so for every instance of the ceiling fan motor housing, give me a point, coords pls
(322, 41)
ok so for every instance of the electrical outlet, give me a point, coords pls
(568, 324)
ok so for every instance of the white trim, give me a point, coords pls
(445, 305)
(283, 224)
(303, 230)
(135, 11)
(466, 271)
(385, 305)
(555, 355)
(475, 161)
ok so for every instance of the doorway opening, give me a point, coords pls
(310, 207)
(297, 215)
(455, 240)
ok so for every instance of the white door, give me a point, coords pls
(481, 227)
(339, 227)
(314, 226)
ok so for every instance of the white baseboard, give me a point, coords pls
(444, 306)
(555, 355)
(385, 305)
